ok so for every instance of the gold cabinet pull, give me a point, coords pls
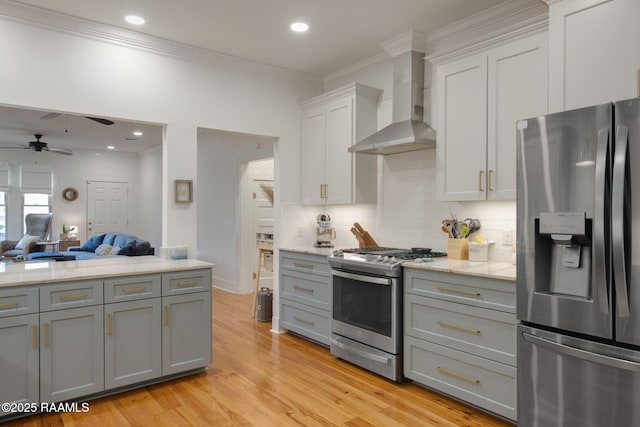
(132, 290)
(166, 315)
(46, 335)
(110, 324)
(322, 191)
(73, 297)
(9, 304)
(303, 289)
(480, 173)
(300, 319)
(458, 376)
(326, 193)
(34, 337)
(490, 185)
(455, 291)
(303, 265)
(187, 284)
(459, 328)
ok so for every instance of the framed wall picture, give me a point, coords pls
(183, 191)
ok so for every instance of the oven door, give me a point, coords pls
(367, 309)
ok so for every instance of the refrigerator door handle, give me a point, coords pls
(618, 220)
(602, 160)
(600, 359)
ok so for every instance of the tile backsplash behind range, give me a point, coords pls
(409, 214)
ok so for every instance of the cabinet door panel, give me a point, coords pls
(186, 332)
(338, 161)
(313, 155)
(71, 353)
(19, 359)
(462, 130)
(517, 89)
(132, 342)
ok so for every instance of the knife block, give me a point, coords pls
(458, 248)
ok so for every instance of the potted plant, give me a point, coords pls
(65, 232)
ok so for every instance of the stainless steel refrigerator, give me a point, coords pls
(578, 281)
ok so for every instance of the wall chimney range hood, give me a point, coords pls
(408, 131)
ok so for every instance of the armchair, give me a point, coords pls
(38, 226)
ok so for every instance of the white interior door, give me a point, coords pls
(107, 207)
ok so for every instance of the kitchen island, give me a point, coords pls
(76, 330)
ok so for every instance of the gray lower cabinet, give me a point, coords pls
(71, 353)
(186, 332)
(19, 359)
(460, 337)
(132, 342)
(67, 340)
(305, 295)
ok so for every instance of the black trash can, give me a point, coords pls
(265, 305)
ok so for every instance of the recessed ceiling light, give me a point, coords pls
(299, 27)
(137, 133)
(134, 19)
(110, 147)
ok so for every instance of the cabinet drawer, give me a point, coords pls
(308, 321)
(15, 301)
(132, 288)
(306, 263)
(486, 333)
(479, 291)
(69, 295)
(185, 282)
(306, 288)
(481, 382)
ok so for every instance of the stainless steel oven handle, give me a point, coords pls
(374, 357)
(582, 354)
(362, 278)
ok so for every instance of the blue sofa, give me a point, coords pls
(129, 246)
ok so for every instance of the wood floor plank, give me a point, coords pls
(259, 378)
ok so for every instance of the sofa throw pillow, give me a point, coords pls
(25, 241)
(103, 250)
(114, 250)
(91, 244)
(128, 250)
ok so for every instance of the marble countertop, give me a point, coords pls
(490, 269)
(30, 273)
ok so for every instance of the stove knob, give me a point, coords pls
(385, 259)
(379, 258)
(338, 253)
(393, 259)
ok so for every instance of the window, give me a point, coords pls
(35, 203)
(3, 215)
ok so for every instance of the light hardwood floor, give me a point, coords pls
(258, 378)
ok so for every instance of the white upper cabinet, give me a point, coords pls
(331, 123)
(593, 52)
(480, 99)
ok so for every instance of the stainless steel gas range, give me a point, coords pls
(366, 328)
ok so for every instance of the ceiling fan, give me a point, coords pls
(100, 120)
(39, 146)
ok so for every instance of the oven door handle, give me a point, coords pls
(362, 278)
(376, 358)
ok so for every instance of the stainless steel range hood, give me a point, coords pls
(408, 132)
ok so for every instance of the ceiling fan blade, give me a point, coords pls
(50, 116)
(105, 122)
(64, 151)
(21, 147)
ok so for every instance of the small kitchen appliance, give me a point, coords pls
(325, 232)
(366, 324)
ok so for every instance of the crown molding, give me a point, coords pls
(368, 66)
(505, 22)
(409, 41)
(58, 22)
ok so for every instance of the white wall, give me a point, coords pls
(184, 88)
(75, 171)
(149, 218)
(220, 155)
